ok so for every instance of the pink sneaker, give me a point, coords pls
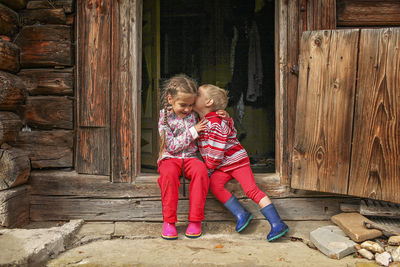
(193, 230)
(169, 231)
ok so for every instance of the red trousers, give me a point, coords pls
(170, 170)
(243, 175)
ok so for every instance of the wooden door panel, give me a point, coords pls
(375, 161)
(321, 156)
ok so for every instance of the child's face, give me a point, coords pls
(182, 104)
(201, 101)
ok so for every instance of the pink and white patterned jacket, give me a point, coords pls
(180, 135)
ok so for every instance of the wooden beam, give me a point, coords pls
(9, 21)
(48, 149)
(9, 57)
(10, 125)
(48, 81)
(14, 207)
(45, 45)
(48, 112)
(14, 4)
(12, 91)
(15, 168)
(368, 13)
(67, 5)
(42, 16)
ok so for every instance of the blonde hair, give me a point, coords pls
(180, 83)
(217, 94)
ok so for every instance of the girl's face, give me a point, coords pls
(182, 104)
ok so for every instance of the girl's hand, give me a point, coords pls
(201, 125)
(223, 113)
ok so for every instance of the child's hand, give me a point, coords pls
(201, 125)
(223, 113)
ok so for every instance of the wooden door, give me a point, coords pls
(347, 134)
(150, 83)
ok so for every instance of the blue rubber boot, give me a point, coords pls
(278, 227)
(243, 217)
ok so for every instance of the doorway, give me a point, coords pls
(229, 43)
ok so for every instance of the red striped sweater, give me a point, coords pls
(219, 146)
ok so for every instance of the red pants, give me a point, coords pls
(170, 170)
(243, 175)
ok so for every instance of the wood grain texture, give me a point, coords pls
(9, 21)
(12, 91)
(321, 14)
(14, 168)
(10, 125)
(14, 207)
(93, 155)
(48, 149)
(48, 112)
(14, 4)
(9, 57)
(48, 81)
(321, 156)
(67, 5)
(368, 13)
(375, 168)
(42, 16)
(45, 45)
(94, 52)
(123, 60)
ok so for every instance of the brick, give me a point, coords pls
(352, 225)
(332, 241)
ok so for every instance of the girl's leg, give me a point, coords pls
(196, 171)
(217, 185)
(170, 170)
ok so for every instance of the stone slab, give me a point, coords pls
(92, 231)
(352, 225)
(332, 241)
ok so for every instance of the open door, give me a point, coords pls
(150, 83)
(347, 134)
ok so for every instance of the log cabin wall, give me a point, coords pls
(36, 97)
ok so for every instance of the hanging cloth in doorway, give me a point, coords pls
(255, 68)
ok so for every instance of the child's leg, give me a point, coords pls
(245, 177)
(196, 171)
(170, 170)
(217, 185)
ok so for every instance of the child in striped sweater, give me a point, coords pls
(225, 157)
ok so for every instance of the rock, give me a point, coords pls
(396, 254)
(372, 246)
(366, 254)
(383, 258)
(394, 240)
(332, 241)
(353, 225)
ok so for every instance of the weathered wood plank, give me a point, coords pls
(321, 15)
(368, 13)
(42, 16)
(45, 45)
(9, 56)
(48, 81)
(14, 168)
(14, 4)
(12, 91)
(323, 126)
(145, 209)
(48, 149)
(379, 209)
(10, 124)
(375, 168)
(93, 155)
(67, 5)
(47, 112)
(123, 60)
(8, 21)
(14, 207)
(94, 60)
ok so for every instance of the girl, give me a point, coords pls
(178, 130)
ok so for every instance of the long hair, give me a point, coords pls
(180, 83)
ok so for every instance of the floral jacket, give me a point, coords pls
(180, 135)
